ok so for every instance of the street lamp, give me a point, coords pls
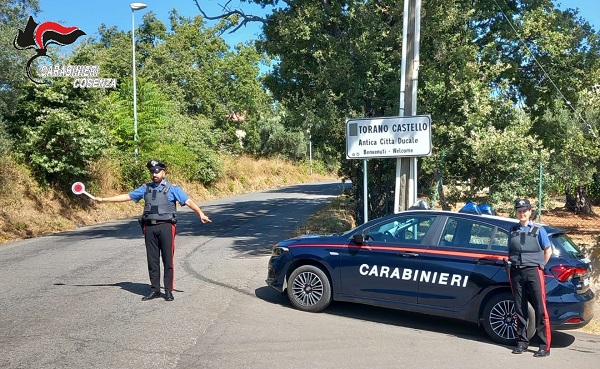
(134, 7)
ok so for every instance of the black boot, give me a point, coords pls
(151, 296)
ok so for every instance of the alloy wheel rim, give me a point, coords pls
(502, 320)
(307, 288)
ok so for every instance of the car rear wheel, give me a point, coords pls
(309, 289)
(500, 321)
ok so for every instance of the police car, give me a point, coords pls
(449, 264)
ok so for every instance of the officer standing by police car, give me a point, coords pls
(529, 250)
(159, 224)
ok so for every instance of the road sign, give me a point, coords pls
(388, 137)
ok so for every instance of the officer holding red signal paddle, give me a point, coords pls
(159, 224)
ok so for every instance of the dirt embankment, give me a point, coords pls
(29, 210)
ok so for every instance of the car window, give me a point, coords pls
(407, 229)
(466, 233)
(500, 240)
(565, 247)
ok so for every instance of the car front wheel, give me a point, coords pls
(500, 321)
(309, 289)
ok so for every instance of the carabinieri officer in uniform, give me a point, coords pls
(159, 224)
(529, 250)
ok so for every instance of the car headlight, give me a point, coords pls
(279, 250)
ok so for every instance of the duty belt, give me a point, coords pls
(154, 221)
(519, 266)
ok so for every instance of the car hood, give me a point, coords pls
(309, 238)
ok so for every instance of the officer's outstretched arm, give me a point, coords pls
(118, 198)
(196, 208)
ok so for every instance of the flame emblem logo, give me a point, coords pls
(39, 36)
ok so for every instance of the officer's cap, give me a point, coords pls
(156, 166)
(522, 204)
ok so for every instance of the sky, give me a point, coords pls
(88, 15)
(588, 9)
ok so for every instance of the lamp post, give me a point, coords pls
(134, 7)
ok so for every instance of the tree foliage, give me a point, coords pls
(508, 85)
(13, 16)
(57, 132)
(189, 83)
(486, 67)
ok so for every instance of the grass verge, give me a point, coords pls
(29, 210)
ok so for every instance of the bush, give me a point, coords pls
(202, 165)
(271, 139)
(594, 189)
(187, 147)
(61, 147)
(5, 141)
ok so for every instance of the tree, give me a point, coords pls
(13, 16)
(485, 67)
(57, 130)
(549, 55)
(341, 59)
(204, 75)
(576, 154)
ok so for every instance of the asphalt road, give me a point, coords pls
(73, 300)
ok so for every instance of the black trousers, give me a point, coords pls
(528, 285)
(160, 241)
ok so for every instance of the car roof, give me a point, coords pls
(504, 221)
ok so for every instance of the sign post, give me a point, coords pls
(387, 137)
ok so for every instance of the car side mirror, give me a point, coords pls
(358, 238)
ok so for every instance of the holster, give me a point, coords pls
(507, 266)
(141, 222)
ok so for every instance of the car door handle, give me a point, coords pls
(408, 254)
(487, 261)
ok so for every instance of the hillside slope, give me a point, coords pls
(28, 210)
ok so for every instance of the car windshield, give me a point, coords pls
(564, 244)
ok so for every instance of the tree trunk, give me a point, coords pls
(578, 203)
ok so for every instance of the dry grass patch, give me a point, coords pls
(335, 217)
(27, 210)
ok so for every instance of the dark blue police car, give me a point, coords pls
(442, 263)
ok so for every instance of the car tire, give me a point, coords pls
(309, 289)
(500, 322)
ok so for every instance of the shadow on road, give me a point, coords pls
(135, 288)
(254, 224)
(419, 322)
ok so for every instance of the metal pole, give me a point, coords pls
(398, 188)
(365, 192)
(412, 192)
(310, 151)
(539, 210)
(135, 135)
